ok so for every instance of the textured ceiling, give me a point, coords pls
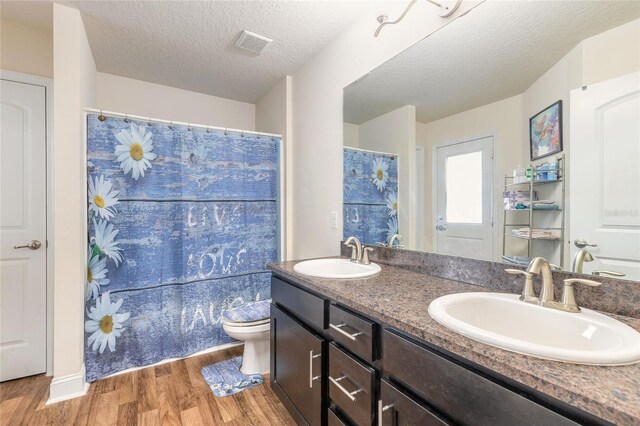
(190, 44)
(496, 51)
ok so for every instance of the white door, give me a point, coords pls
(605, 174)
(22, 222)
(464, 175)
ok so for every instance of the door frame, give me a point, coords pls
(47, 83)
(420, 192)
(434, 183)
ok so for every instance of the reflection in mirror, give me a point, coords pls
(514, 133)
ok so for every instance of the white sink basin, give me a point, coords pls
(336, 269)
(504, 321)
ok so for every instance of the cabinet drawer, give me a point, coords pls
(351, 386)
(307, 307)
(353, 332)
(459, 393)
(397, 409)
(334, 420)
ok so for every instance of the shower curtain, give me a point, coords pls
(182, 222)
(370, 195)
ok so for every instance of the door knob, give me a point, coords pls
(583, 244)
(32, 245)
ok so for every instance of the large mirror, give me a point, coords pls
(512, 132)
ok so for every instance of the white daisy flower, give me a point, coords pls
(105, 323)
(392, 228)
(380, 174)
(102, 199)
(134, 153)
(96, 275)
(104, 241)
(392, 203)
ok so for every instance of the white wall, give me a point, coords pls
(611, 54)
(273, 115)
(318, 121)
(73, 88)
(351, 135)
(395, 133)
(502, 119)
(136, 97)
(26, 49)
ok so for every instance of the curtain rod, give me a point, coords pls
(179, 123)
(391, 154)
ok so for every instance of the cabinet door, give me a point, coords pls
(296, 355)
(397, 409)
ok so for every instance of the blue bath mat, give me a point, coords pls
(224, 378)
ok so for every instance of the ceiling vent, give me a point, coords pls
(252, 42)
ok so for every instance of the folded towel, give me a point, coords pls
(546, 207)
(537, 202)
(541, 234)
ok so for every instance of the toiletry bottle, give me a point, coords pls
(529, 172)
(519, 174)
(553, 170)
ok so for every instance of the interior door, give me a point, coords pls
(604, 174)
(297, 364)
(22, 230)
(464, 174)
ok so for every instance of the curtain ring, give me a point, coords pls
(126, 118)
(171, 125)
(101, 117)
(188, 127)
(225, 132)
(207, 129)
(149, 122)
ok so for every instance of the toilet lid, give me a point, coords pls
(249, 313)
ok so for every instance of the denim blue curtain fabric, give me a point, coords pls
(182, 223)
(370, 195)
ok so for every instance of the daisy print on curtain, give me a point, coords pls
(182, 222)
(370, 201)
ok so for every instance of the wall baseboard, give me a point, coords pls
(68, 387)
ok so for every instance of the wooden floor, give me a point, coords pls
(170, 394)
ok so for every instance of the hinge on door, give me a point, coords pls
(492, 222)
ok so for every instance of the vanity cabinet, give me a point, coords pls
(333, 366)
(462, 395)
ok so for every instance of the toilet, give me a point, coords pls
(250, 323)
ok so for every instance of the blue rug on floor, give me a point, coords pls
(224, 378)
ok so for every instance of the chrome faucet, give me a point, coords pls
(359, 252)
(356, 248)
(394, 238)
(540, 266)
(583, 255)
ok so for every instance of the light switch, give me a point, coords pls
(334, 220)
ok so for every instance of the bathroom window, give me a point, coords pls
(464, 188)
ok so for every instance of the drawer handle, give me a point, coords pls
(311, 377)
(349, 395)
(382, 409)
(339, 329)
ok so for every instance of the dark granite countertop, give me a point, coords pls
(400, 298)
